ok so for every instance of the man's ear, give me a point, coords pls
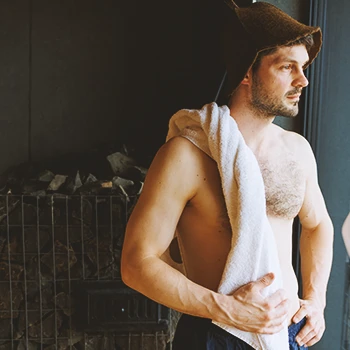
(247, 78)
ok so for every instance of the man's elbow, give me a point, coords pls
(325, 225)
(124, 274)
(128, 273)
(328, 224)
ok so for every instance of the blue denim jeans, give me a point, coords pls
(195, 333)
(293, 330)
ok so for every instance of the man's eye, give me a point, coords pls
(287, 66)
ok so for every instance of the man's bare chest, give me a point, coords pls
(285, 183)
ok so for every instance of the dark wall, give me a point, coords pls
(83, 74)
(77, 69)
(172, 63)
(14, 80)
(76, 74)
(62, 75)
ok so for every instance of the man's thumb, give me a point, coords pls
(266, 280)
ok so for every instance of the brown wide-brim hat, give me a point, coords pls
(250, 30)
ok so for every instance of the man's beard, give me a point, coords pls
(269, 106)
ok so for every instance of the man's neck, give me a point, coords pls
(254, 128)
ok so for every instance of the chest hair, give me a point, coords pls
(284, 181)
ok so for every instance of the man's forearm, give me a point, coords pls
(245, 309)
(162, 283)
(316, 248)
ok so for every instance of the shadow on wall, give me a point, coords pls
(173, 62)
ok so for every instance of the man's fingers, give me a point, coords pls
(311, 336)
(281, 310)
(277, 298)
(301, 337)
(299, 315)
(313, 341)
(265, 281)
(314, 327)
(274, 326)
(275, 318)
(265, 314)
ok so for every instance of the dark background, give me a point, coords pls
(78, 74)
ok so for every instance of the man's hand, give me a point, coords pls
(254, 313)
(313, 330)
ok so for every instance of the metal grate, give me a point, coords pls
(60, 285)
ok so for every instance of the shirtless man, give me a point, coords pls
(183, 192)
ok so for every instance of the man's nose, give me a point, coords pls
(300, 80)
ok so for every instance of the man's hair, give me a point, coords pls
(307, 41)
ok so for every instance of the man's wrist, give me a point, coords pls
(319, 299)
(221, 309)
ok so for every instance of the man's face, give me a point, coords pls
(278, 81)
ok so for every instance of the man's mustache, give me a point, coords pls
(296, 91)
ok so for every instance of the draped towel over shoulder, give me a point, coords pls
(253, 248)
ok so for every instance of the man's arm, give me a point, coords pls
(316, 249)
(172, 180)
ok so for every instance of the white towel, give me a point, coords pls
(253, 250)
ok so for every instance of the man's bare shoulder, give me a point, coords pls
(175, 168)
(295, 142)
(179, 143)
(178, 148)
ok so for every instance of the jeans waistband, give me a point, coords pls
(294, 329)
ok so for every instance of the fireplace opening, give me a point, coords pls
(61, 236)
